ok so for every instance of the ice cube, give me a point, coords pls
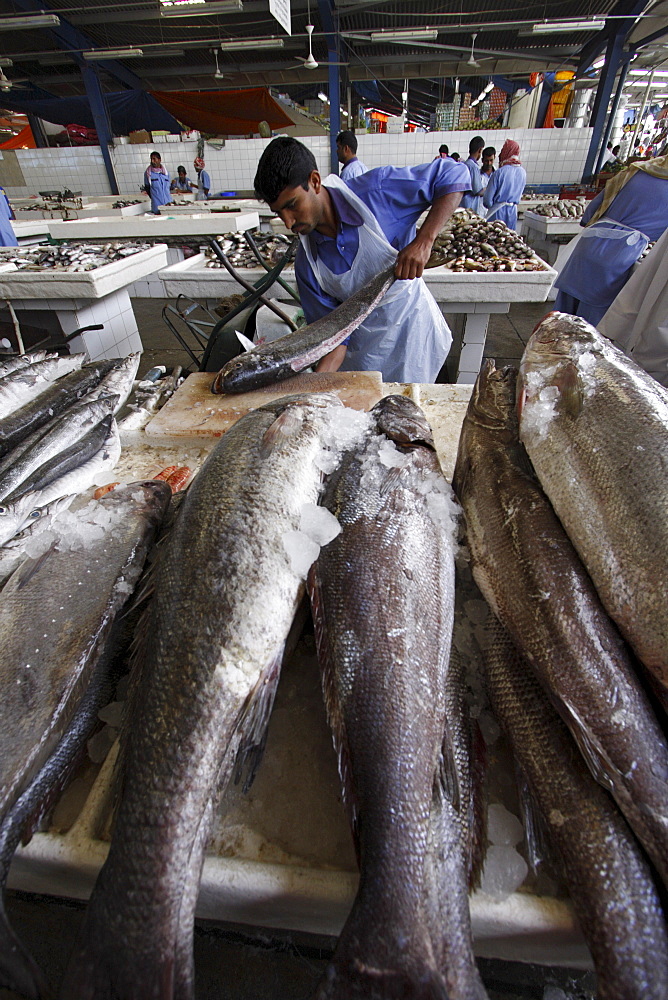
(318, 523)
(503, 827)
(112, 713)
(302, 551)
(504, 872)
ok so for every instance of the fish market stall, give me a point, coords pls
(553, 237)
(81, 290)
(470, 296)
(281, 855)
(153, 226)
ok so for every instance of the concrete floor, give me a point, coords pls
(243, 963)
(506, 338)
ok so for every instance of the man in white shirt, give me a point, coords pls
(346, 151)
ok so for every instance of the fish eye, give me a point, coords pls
(3, 510)
(34, 514)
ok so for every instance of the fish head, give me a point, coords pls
(402, 420)
(152, 495)
(558, 334)
(14, 516)
(493, 397)
(246, 372)
(558, 363)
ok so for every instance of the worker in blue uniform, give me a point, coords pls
(346, 153)
(505, 186)
(7, 234)
(473, 197)
(203, 179)
(156, 183)
(182, 183)
(630, 212)
(349, 232)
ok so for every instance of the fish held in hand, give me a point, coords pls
(283, 358)
(595, 426)
(203, 691)
(382, 594)
(531, 576)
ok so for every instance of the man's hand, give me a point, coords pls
(412, 259)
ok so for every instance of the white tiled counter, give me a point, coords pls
(85, 298)
(475, 295)
(154, 226)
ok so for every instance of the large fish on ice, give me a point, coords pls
(290, 354)
(595, 426)
(532, 578)
(607, 875)
(225, 597)
(21, 385)
(382, 594)
(57, 611)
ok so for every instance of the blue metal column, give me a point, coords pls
(98, 107)
(613, 58)
(613, 111)
(331, 35)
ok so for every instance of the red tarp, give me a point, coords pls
(24, 140)
(223, 112)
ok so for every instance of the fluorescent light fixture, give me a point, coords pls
(489, 87)
(344, 112)
(197, 8)
(646, 72)
(405, 35)
(643, 83)
(6, 62)
(323, 97)
(274, 42)
(404, 95)
(39, 20)
(660, 97)
(600, 62)
(547, 27)
(97, 55)
(164, 51)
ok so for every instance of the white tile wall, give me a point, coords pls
(550, 156)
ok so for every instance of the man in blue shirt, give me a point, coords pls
(346, 151)
(473, 197)
(7, 234)
(349, 232)
(203, 179)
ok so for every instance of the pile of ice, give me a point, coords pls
(317, 527)
(343, 430)
(540, 406)
(505, 869)
(101, 743)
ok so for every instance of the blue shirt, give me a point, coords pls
(506, 184)
(473, 200)
(397, 196)
(353, 168)
(641, 204)
(204, 184)
(7, 234)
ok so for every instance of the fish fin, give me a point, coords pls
(18, 970)
(536, 833)
(448, 771)
(570, 390)
(477, 805)
(284, 427)
(254, 719)
(390, 482)
(332, 704)
(28, 569)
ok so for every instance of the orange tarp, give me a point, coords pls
(24, 140)
(223, 112)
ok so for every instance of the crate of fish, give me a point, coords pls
(76, 270)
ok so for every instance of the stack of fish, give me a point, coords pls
(571, 208)
(235, 247)
(125, 204)
(69, 256)
(565, 573)
(57, 431)
(470, 243)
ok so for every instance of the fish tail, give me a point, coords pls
(362, 982)
(18, 970)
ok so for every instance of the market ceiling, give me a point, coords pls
(179, 52)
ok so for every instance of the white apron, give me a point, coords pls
(405, 337)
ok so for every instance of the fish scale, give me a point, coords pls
(382, 595)
(600, 449)
(531, 576)
(224, 599)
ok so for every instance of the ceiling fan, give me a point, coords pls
(218, 75)
(309, 61)
(472, 61)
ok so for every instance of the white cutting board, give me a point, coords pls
(194, 411)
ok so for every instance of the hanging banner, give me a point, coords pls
(281, 11)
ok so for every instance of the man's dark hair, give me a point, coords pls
(488, 151)
(443, 149)
(455, 156)
(615, 150)
(347, 138)
(609, 146)
(179, 169)
(284, 163)
(476, 143)
(155, 153)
